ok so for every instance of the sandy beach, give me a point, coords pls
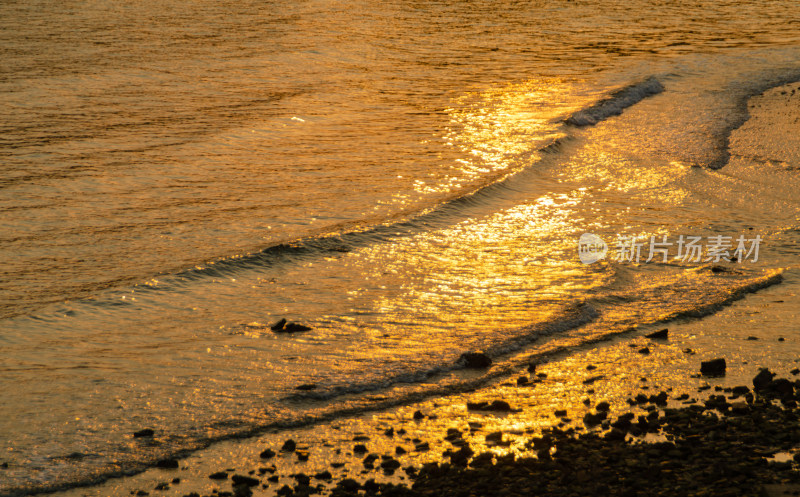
(563, 393)
(543, 249)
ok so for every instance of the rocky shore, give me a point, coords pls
(735, 442)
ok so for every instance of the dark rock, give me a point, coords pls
(361, 438)
(475, 360)
(4, 465)
(660, 399)
(795, 371)
(244, 480)
(418, 415)
(389, 432)
(162, 486)
(324, 475)
(659, 335)
(453, 434)
(603, 406)
(289, 446)
(167, 463)
(560, 413)
(302, 478)
(752, 338)
(495, 406)
(714, 367)
(273, 479)
(461, 457)
(371, 486)
(359, 449)
(349, 485)
(399, 450)
(422, 447)
(523, 380)
(306, 386)
(302, 455)
(147, 432)
(285, 490)
(644, 350)
(279, 325)
(390, 464)
(532, 367)
(762, 379)
(267, 454)
(589, 381)
(295, 327)
(220, 475)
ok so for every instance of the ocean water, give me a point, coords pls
(409, 179)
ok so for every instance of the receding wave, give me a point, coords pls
(614, 104)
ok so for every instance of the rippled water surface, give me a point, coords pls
(399, 176)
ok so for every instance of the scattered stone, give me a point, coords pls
(147, 432)
(359, 449)
(289, 446)
(302, 455)
(762, 379)
(399, 450)
(560, 413)
(714, 367)
(589, 381)
(167, 463)
(603, 406)
(295, 327)
(244, 480)
(324, 475)
(162, 486)
(390, 464)
(475, 360)
(644, 350)
(279, 325)
(495, 405)
(349, 485)
(302, 478)
(752, 338)
(659, 335)
(267, 454)
(523, 380)
(795, 371)
(418, 415)
(532, 367)
(422, 447)
(220, 475)
(306, 386)
(389, 432)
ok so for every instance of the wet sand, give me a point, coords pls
(759, 331)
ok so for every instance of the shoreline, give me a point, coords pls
(612, 371)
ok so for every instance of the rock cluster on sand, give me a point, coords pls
(718, 447)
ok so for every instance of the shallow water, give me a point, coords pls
(399, 177)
